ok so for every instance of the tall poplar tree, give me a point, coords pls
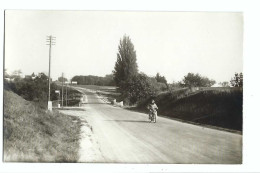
(125, 66)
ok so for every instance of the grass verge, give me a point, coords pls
(33, 135)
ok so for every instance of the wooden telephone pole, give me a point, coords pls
(62, 91)
(66, 94)
(50, 42)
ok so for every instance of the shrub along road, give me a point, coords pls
(123, 136)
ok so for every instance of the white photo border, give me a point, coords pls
(251, 113)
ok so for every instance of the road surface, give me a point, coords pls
(123, 136)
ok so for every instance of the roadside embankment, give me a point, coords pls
(33, 135)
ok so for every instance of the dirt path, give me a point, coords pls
(89, 148)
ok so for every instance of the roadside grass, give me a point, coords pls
(33, 135)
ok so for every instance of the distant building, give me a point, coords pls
(33, 76)
(9, 79)
(39, 75)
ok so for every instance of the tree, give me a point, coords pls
(108, 80)
(237, 80)
(161, 79)
(32, 89)
(139, 87)
(125, 66)
(60, 79)
(196, 80)
(224, 84)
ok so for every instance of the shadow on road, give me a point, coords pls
(90, 103)
(70, 108)
(130, 121)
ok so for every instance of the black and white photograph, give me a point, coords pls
(123, 87)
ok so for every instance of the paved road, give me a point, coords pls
(127, 137)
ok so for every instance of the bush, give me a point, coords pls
(32, 89)
(159, 86)
(137, 88)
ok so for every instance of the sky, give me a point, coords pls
(170, 43)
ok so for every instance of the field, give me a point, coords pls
(108, 92)
(33, 135)
(111, 89)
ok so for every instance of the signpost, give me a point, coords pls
(58, 92)
(62, 91)
(50, 105)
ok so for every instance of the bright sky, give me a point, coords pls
(171, 43)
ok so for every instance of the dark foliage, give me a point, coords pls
(137, 88)
(62, 79)
(196, 80)
(134, 86)
(94, 80)
(161, 79)
(237, 80)
(32, 89)
(125, 66)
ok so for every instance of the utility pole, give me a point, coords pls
(51, 42)
(62, 91)
(59, 99)
(66, 94)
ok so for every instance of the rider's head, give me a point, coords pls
(152, 101)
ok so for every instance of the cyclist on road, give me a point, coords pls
(152, 107)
